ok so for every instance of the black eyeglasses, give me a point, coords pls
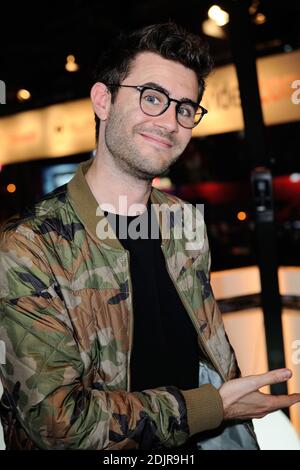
(154, 102)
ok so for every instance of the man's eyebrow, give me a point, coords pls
(161, 88)
(157, 86)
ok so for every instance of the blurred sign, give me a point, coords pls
(56, 131)
(68, 128)
(277, 76)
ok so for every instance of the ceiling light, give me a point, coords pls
(260, 18)
(11, 188)
(23, 95)
(241, 215)
(219, 16)
(254, 7)
(71, 65)
(210, 28)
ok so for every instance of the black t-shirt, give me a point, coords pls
(165, 349)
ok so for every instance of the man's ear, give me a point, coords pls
(101, 99)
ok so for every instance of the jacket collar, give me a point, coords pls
(87, 207)
(91, 215)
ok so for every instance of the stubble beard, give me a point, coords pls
(126, 155)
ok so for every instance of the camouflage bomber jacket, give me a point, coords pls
(66, 321)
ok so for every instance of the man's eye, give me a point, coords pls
(186, 111)
(152, 99)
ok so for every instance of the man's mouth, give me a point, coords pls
(160, 141)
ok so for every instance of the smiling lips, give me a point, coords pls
(157, 140)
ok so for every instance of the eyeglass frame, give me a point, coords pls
(141, 89)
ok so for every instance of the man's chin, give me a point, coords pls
(148, 174)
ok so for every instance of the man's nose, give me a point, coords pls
(168, 119)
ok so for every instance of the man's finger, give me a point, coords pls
(237, 388)
(284, 401)
(255, 382)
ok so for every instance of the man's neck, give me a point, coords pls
(116, 191)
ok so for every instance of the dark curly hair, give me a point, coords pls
(168, 40)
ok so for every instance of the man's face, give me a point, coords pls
(141, 145)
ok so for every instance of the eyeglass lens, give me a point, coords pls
(155, 102)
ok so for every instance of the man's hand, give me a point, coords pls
(243, 400)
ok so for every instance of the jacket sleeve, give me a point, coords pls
(43, 376)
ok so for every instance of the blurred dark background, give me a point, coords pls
(36, 38)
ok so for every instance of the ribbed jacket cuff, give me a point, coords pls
(204, 408)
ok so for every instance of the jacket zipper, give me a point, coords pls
(130, 324)
(191, 315)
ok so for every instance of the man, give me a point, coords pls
(104, 334)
